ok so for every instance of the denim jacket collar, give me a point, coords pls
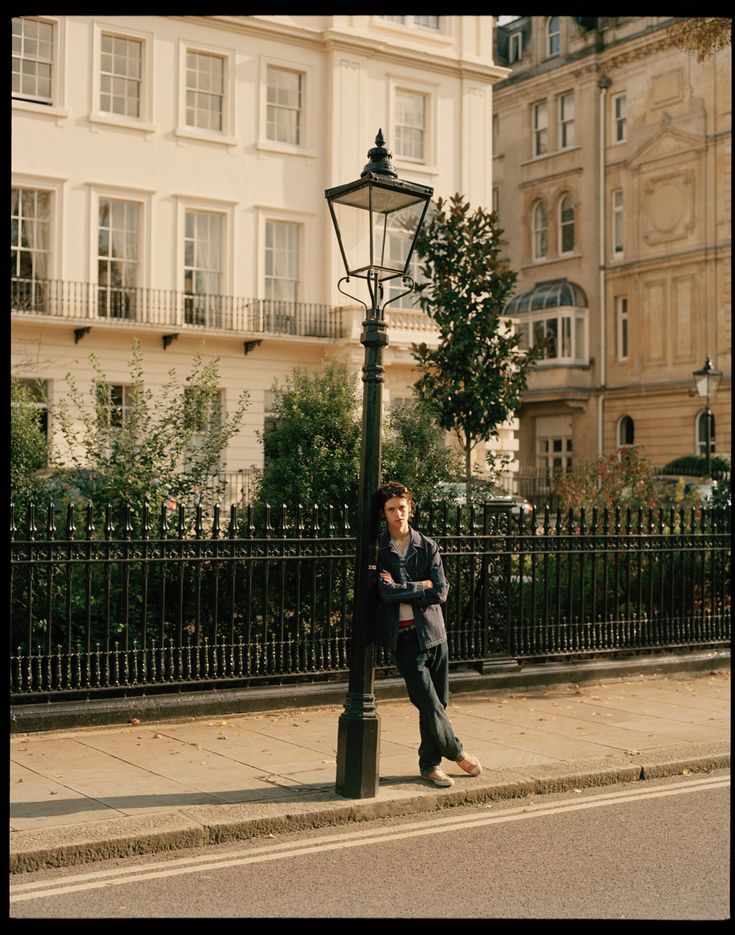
(415, 541)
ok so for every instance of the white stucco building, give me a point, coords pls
(168, 181)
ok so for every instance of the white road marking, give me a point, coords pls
(120, 875)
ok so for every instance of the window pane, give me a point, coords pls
(284, 100)
(205, 91)
(579, 349)
(410, 125)
(32, 59)
(282, 261)
(121, 71)
(567, 225)
(553, 46)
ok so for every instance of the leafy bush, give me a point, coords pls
(165, 445)
(312, 445)
(695, 465)
(414, 451)
(28, 448)
(622, 479)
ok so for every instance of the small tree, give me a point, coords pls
(312, 444)
(158, 446)
(702, 36)
(414, 451)
(28, 445)
(474, 379)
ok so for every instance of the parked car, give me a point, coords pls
(456, 493)
(674, 487)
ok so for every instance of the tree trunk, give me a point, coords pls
(468, 468)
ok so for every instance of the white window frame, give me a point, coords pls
(536, 231)
(307, 145)
(274, 109)
(48, 250)
(207, 206)
(133, 82)
(515, 46)
(540, 128)
(39, 62)
(567, 125)
(618, 107)
(622, 326)
(43, 405)
(552, 38)
(227, 135)
(296, 229)
(309, 245)
(144, 122)
(115, 199)
(617, 219)
(567, 197)
(571, 335)
(425, 129)
(546, 455)
(405, 26)
(193, 107)
(54, 108)
(143, 197)
(122, 409)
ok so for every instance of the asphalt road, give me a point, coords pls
(654, 850)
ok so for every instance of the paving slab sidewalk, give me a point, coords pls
(100, 792)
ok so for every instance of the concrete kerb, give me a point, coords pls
(207, 825)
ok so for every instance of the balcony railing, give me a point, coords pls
(86, 301)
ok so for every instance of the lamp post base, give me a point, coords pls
(358, 749)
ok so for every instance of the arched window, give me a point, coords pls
(702, 433)
(566, 224)
(553, 36)
(626, 432)
(540, 231)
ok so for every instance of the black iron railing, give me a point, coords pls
(85, 301)
(121, 604)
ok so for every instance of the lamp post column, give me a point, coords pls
(358, 736)
(707, 437)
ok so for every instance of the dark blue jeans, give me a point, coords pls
(426, 673)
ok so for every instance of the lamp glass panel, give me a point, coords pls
(377, 240)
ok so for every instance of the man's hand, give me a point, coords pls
(387, 577)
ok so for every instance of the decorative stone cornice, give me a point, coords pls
(335, 40)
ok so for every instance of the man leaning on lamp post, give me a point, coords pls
(412, 587)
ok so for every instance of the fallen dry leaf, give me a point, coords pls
(134, 720)
(156, 736)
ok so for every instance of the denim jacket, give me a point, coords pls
(421, 562)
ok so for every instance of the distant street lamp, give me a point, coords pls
(377, 220)
(707, 382)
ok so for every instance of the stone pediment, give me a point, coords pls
(664, 144)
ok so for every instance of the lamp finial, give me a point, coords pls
(380, 159)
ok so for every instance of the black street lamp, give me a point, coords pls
(377, 220)
(707, 382)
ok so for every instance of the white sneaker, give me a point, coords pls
(438, 777)
(470, 764)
